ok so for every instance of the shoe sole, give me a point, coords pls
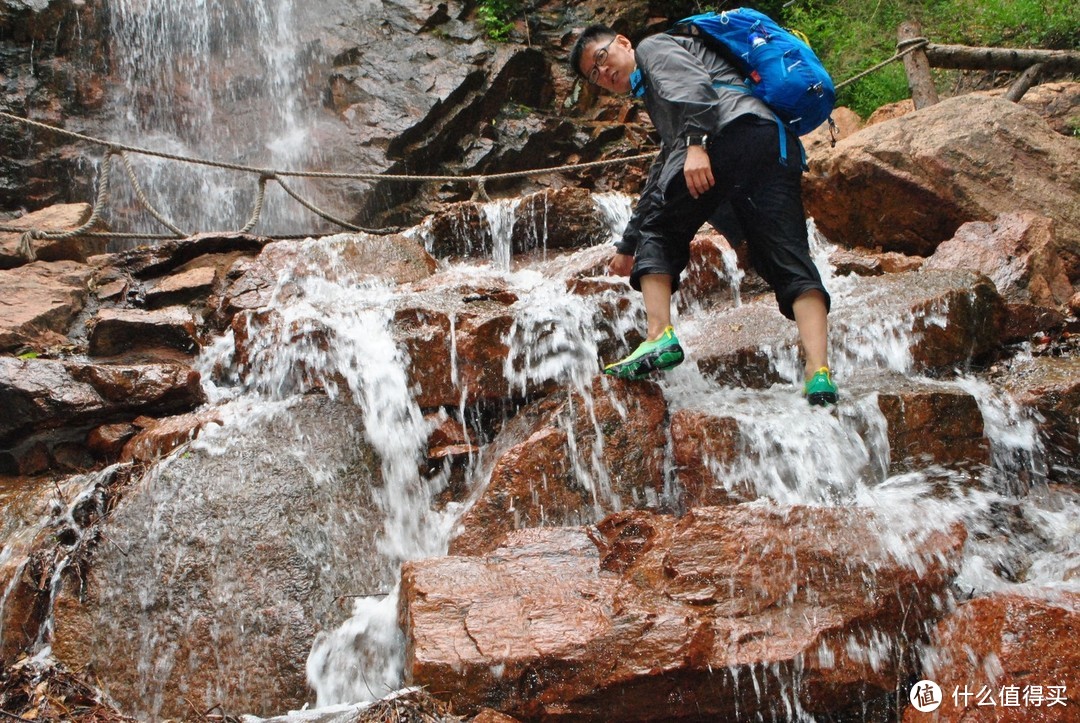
(822, 399)
(665, 359)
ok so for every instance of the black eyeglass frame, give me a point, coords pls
(599, 58)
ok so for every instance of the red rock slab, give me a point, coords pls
(727, 613)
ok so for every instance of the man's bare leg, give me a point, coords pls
(656, 291)
(812, 318)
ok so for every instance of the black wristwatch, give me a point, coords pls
(697, 139)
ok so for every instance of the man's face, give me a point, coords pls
(608, 62)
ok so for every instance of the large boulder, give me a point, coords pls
(909, 183)
(218, 568)
(728, 613)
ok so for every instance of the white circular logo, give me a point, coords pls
(926, 696)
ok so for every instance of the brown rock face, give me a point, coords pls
(40, 301)
(549, 477)
(932, 426)
(729, 612)
(701, 443)
(908, 184)
(117, 331)
(1019, 652)
(1017, 251)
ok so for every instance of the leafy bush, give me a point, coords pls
(853, 35)
(497, 17)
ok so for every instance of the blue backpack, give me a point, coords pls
(779, 67)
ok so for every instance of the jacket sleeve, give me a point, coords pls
(681, 82)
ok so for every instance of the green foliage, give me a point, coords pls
(853, 35)
(497, 17)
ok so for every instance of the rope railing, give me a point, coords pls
(478, 181)
(265, 175)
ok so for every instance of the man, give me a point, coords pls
(719, 146)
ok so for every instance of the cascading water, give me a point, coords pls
(236, 79)
(330, 326)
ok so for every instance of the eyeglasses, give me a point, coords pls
(599, 58)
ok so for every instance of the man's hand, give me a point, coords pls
(620, 264)
(698, 171)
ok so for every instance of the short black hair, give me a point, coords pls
(588, 35)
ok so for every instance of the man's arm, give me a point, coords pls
(687, 104)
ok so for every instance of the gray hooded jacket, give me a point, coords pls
(680, 74)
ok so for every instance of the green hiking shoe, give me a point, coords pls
(819, 389)
(659, 355)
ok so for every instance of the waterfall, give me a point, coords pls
(215, 80)
(328, 333)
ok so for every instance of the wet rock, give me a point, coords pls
(40, 302)
(182, 288)
(931, 424)
(714, 267)
(908, 184)
(155, 438)
(1014, 649)
(44, 520)
(222, 565)
(735, 346)
(554, 219)
(941, 320)
(702, 445)
(449, 438)
(577, 459)
(487, 715)
(62, 217)
(106, 441)
(119, 331)
(1050, 386)
(353, 257)
(729, 612)
(558, 219)
(53, 54)
(45, 394)
(866, 262)
(148, 262)
(1024, 321)
(1017, 251)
